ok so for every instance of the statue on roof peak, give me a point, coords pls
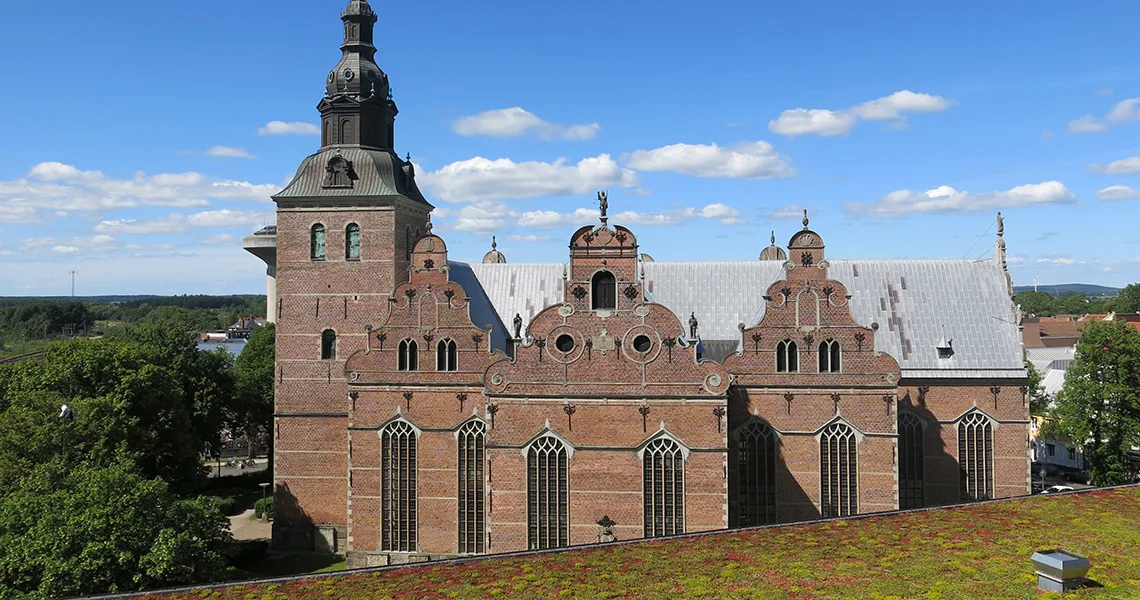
(603, 206)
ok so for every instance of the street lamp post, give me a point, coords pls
(264, 486)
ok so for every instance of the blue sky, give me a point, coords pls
(138, 144)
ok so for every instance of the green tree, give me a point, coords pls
(1038, 399)
(254, 371)
(1128, 301)
(1100, 403)
(89, 530)
(1040, 304)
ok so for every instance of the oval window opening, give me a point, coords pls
(642, 344)
(564, 343)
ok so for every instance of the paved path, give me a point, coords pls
(243, 528)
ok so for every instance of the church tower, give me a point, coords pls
(346, 225)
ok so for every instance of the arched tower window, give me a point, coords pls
(472, 519)
(408, 356)
(398, 483)
(756, 473)
(317, 242)
(446, 356)
(328, 345)
(408, 242)
(664, 488)
(838, 472)
(352, 242)
(829, 356)
(911, 484)
(976, 457)
(604, 291)
(548, 495)
(787, 357)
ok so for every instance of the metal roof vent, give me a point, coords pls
(945, 347)
(1059, 570)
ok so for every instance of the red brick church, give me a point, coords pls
(429, 408)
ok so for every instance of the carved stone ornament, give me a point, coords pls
(339, 173)
(806, 259)
(631, 292)
(429, 243)
(621, 236)
(579, 292)
(860, 338)
(429, 263)
(828, 291)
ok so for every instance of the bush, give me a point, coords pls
(249, 552)
(263, 507)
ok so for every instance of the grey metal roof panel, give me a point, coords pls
(379, 173)
(482, 311)
(915, 302)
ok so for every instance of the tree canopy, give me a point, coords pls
(1100, 402)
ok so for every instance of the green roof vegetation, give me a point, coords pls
(979, 551)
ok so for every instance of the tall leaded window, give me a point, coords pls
(838, 471)
(352, 242)
(756, 474)
(547, 492)
(472, 441)
(911, 484)
(976, 457)
(408, 356)
(664, 488)
(829, 356)
(446, 356)
(398, 488)
(317, 242)
(328, 345)
(787, 357)
(604, 288)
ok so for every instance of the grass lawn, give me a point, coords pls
(972, 552)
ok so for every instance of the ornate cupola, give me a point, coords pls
(773, 252)
(358, 109)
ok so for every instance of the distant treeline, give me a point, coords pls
(40, 318)
(1045, 304)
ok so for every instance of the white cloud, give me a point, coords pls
(1087, 124)
(1056, 260)
(53, 186)
(1124, 166)
(515, 121)
(947, 200)
(227, 152)
(294, 128)
(177, 223)
(65, 249)
(222, 239)
(1016, 260)
(479, 178)
(1117, 192)
(1124, 111)
(791, 211)
(485, 216)
(528, 239)
(751, 160)
(549, 219)
(820, 121)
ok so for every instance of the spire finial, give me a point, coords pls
(494, 243)
(408, 157)
(773, 237)
(805, 219)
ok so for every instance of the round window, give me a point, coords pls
(564, 343)
(642, 344)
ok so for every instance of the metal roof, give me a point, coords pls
(916, 303)
(379, 173)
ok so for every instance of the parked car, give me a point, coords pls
(1057, 489)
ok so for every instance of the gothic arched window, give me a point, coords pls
(787, 357)
(664, 488)
(328, 345)
(838, 472)
(911, 484)
(408, 242)
(398, 488)
(446, 356)
(317, 242)
(829, 356)
(604, 291)
(756, 474)
(352, 242)
(548, 495)
(408, 356)
(976, 457)
(472, 442)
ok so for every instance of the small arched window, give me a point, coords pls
(829, 356)
(352, 242)
(408, 242)
(604, 288)
(317, 242)
(787, 357)
(328, 345)
(408, 356)
(446, 356)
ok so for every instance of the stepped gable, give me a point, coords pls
(812, 311)
(605, 340)
(429, 310)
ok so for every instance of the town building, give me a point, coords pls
(427, 407)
